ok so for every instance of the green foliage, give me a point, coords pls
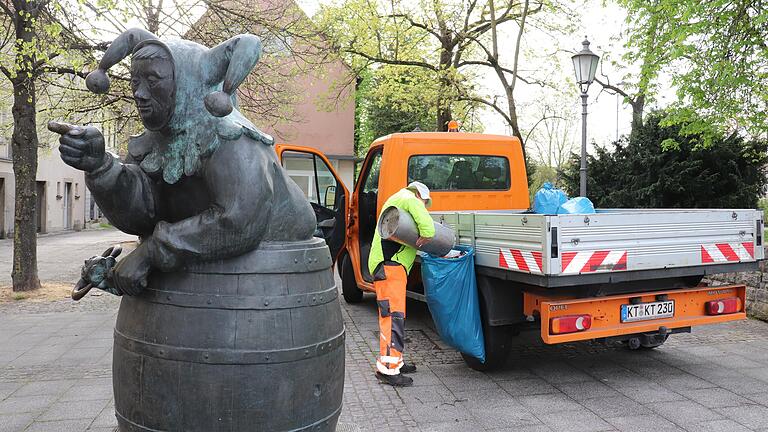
(411, 53)
(539, 174)
(639, 172)
(717, 57)
(401, 99)
(762, 204)
(395, 98)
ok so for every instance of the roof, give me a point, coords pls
(453, 136)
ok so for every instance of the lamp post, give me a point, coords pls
(585, 64)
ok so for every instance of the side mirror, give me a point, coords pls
(330, 196)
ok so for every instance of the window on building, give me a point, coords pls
(5, 135)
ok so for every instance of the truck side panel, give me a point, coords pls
(609, 241)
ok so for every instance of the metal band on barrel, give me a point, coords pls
(227, 356)
(272, 257)
(317, 426)
(231, 302)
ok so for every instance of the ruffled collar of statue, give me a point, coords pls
(181, 151)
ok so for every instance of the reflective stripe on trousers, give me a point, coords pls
(390, 297)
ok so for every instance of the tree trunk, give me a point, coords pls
(444, 113)
(24, 144)
(513, 118)
(638, 105)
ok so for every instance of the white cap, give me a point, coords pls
(421, 190)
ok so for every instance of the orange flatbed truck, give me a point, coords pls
(630, 275)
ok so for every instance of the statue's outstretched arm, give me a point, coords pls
(125, 195)
(239, 178)
(123, 191)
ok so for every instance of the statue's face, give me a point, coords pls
(153, 90)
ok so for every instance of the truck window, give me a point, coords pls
(313, 176)
(372, 176)
(460, 172)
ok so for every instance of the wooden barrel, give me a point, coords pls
(254, 343)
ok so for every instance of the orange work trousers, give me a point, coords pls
(390, 297)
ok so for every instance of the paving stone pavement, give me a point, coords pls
(55, 375)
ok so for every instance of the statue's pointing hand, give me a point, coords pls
(82, 147)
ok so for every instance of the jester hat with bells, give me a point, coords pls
(205, 102)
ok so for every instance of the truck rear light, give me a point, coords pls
(570, 324)
(724, 306)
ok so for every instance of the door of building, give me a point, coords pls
(40, 206)
(2, 208)
(68, 205)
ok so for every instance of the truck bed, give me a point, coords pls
(613, 245)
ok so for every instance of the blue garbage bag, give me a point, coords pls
(548, 199)
(578, 205)
(451, 291)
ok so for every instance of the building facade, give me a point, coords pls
(61, 201)
(332, 131)
(322, 115)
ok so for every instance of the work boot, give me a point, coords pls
(407, 368)
(398, 380)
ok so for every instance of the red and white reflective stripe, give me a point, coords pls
(384, 367)
(594, 261)
(727, 252)
(516, 259)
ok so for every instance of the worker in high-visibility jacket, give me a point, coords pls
(389, 263)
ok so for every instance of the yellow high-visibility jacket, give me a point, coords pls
(408, 201)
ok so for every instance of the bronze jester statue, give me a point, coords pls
(230, 319)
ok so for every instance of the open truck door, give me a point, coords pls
(322, 186)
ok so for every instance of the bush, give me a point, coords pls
(641, 172)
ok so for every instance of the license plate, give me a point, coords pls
(647, 311)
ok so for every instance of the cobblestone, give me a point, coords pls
(714, 379)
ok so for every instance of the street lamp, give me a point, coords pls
(585, 64)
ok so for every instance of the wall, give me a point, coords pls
(328, 129)
(53, 172)
(56, 174)
(6, 173)
(757, 289)
(346, 169)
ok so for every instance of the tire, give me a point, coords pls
(497, 344)
(350, 291)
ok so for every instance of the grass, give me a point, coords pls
(49, 291)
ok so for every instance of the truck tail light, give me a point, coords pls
(724, 306)
(570, 324)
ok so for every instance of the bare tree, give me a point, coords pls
(36, 43)
(46, 50)
(409, 35)
(552, 136)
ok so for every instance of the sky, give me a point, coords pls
(602, 22)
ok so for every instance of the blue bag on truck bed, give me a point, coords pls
(548, 199)
(451, 291)
(578, 205)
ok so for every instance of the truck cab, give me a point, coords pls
(464, 171)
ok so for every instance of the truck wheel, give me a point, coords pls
(497, 344)
(497, 347)
(349, 289)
